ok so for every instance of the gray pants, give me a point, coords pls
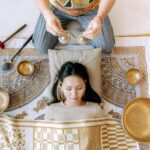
(44, 40)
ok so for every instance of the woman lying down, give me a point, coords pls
(74, 97)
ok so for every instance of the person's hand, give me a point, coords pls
(53, 26)
(94, 28)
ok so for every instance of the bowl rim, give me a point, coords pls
(4, 91)
(123, 120)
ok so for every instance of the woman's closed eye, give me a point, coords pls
(77, 88)
(68, 88)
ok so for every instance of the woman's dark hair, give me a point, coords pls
(75, 69)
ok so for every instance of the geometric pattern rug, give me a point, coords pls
(23, 90)
(115, 88)
(92, 134)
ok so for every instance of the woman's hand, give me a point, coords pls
(53, 25)
(94, 28)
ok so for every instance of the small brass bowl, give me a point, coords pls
(25, 68)
(134, 76)
(136, 119)
(4, 99)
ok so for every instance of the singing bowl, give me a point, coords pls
(65, 39)
(25, 68)
(4, 99)
(82, 40)
(136, 119)
(134, 76)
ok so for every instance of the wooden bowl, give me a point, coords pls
(134, 76)
(4, 99)
(25, 68)
(136, 119)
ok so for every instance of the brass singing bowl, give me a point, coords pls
(136, 119)
(134, 76)
(25, 68)
(4, 99)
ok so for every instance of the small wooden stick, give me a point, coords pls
(2, 45)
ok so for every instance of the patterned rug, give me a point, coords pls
(22, 89)
(92, 134)
(115, 88)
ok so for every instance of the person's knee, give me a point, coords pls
(107, 49)
(41, 49)
(42, 46)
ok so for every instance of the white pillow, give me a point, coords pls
(90, 58)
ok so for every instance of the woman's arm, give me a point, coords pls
(53, 24)
(44, 7)
(95, 26)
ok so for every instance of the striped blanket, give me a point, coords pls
(92, 134)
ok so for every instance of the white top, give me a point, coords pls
(61, 112)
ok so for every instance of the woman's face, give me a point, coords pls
(73, 88)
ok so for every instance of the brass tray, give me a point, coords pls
(136, 119)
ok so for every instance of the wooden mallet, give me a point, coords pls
(2, 44)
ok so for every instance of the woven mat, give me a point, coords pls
(23, 90)
(93, 134)
(115, 88)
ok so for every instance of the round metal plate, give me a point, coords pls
(25, 68)
(136, 119)
(4, 100)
